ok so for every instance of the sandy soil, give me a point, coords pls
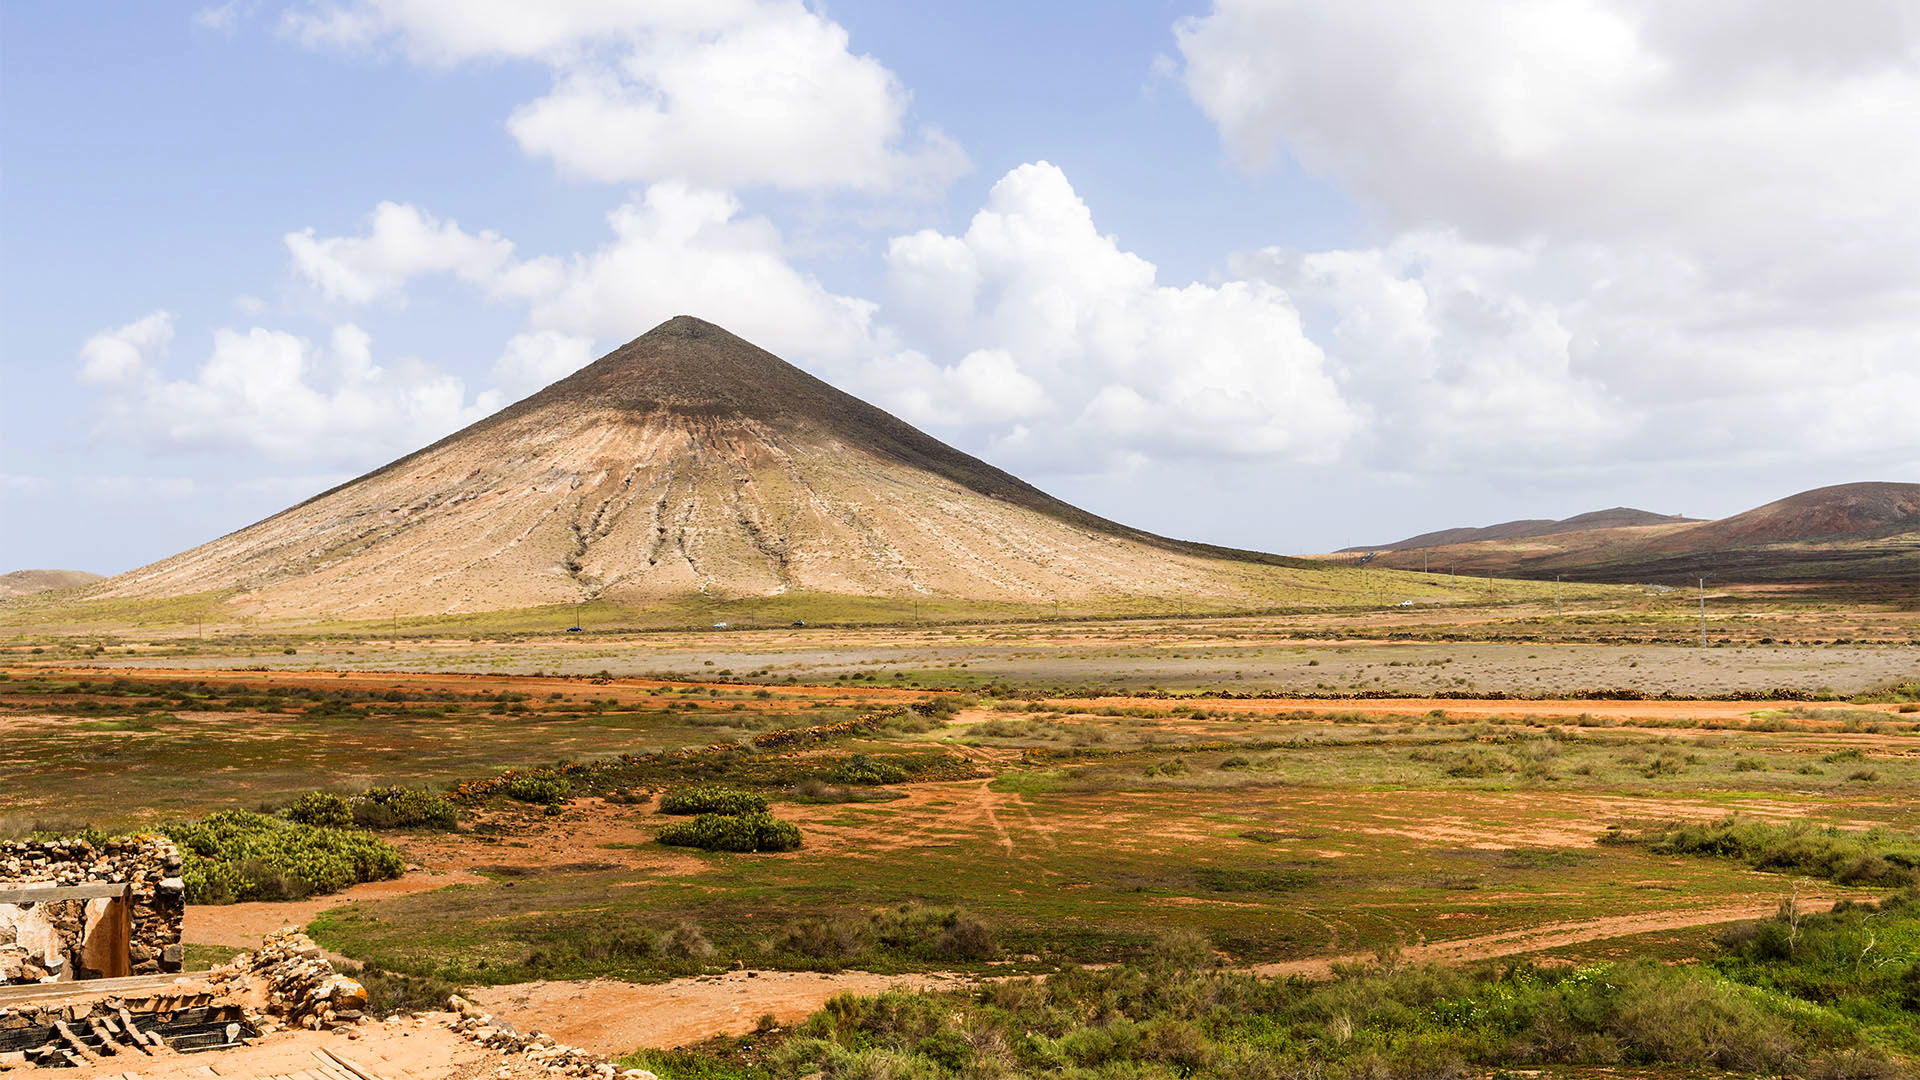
(1549, 708)
(615, 1017)
(1645, 650)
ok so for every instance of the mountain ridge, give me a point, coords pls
(688, 467)
(1856, 533)
(1617, 517)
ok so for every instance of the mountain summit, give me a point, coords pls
(685, 467)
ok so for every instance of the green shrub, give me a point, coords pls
(920, 931)
(541, 788)
(1873, 857)
(235, 855)
(319, 808)
(733, 832)
(403, 808)
(863, 770)
(1182, 1015)
(686, 941)
(390, 992)
(712, 799)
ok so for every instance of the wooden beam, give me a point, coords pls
(39, 894)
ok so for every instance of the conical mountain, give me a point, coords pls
(689, 464)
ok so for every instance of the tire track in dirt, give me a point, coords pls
(1545, 936)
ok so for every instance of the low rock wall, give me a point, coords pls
(157, 899)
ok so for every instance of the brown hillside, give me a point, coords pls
(691, 464)
(1849, 534)
(1620, 517)
(29, 582)
(1821, 514)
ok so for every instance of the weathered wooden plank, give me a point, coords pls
(357, 1071)
(93, 988)
(36, 894)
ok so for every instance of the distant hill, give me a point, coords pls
(685, 470)
(1619, 517)
(29, 582)
(1850, 534)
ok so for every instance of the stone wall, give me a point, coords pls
(157, 901)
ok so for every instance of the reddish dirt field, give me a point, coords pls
(614, 1017)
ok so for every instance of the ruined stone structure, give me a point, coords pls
(70, 909)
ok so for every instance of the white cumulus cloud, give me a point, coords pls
(277, 394)
(727, 94)
(1620, 233)
(1040, 307)
(118, 355)
(533, 360)
(401, 242)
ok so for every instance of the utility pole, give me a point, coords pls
(1703, 613)
(1556, 596)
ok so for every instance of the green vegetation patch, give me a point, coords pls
(378, 808)
(733, 832)
(712, 799)
(236, 855)
(1164, 1020)
(913, 931)
(1872, 857)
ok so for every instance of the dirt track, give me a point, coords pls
(1548, 936)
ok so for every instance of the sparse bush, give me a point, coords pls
(685, 942)
(918, 931)
(829, 938)
(1478, 762)
(540, 788)
(319, 808)
(390, 992)
(733, 832)
(863, 770)
(403, 808)
(1873, 857)
(712, 799)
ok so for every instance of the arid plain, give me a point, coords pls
(1376, 789)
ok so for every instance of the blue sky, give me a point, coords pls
(1274, 274)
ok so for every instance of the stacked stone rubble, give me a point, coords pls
(303, 989)
(535, 1047)
(150, 865)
